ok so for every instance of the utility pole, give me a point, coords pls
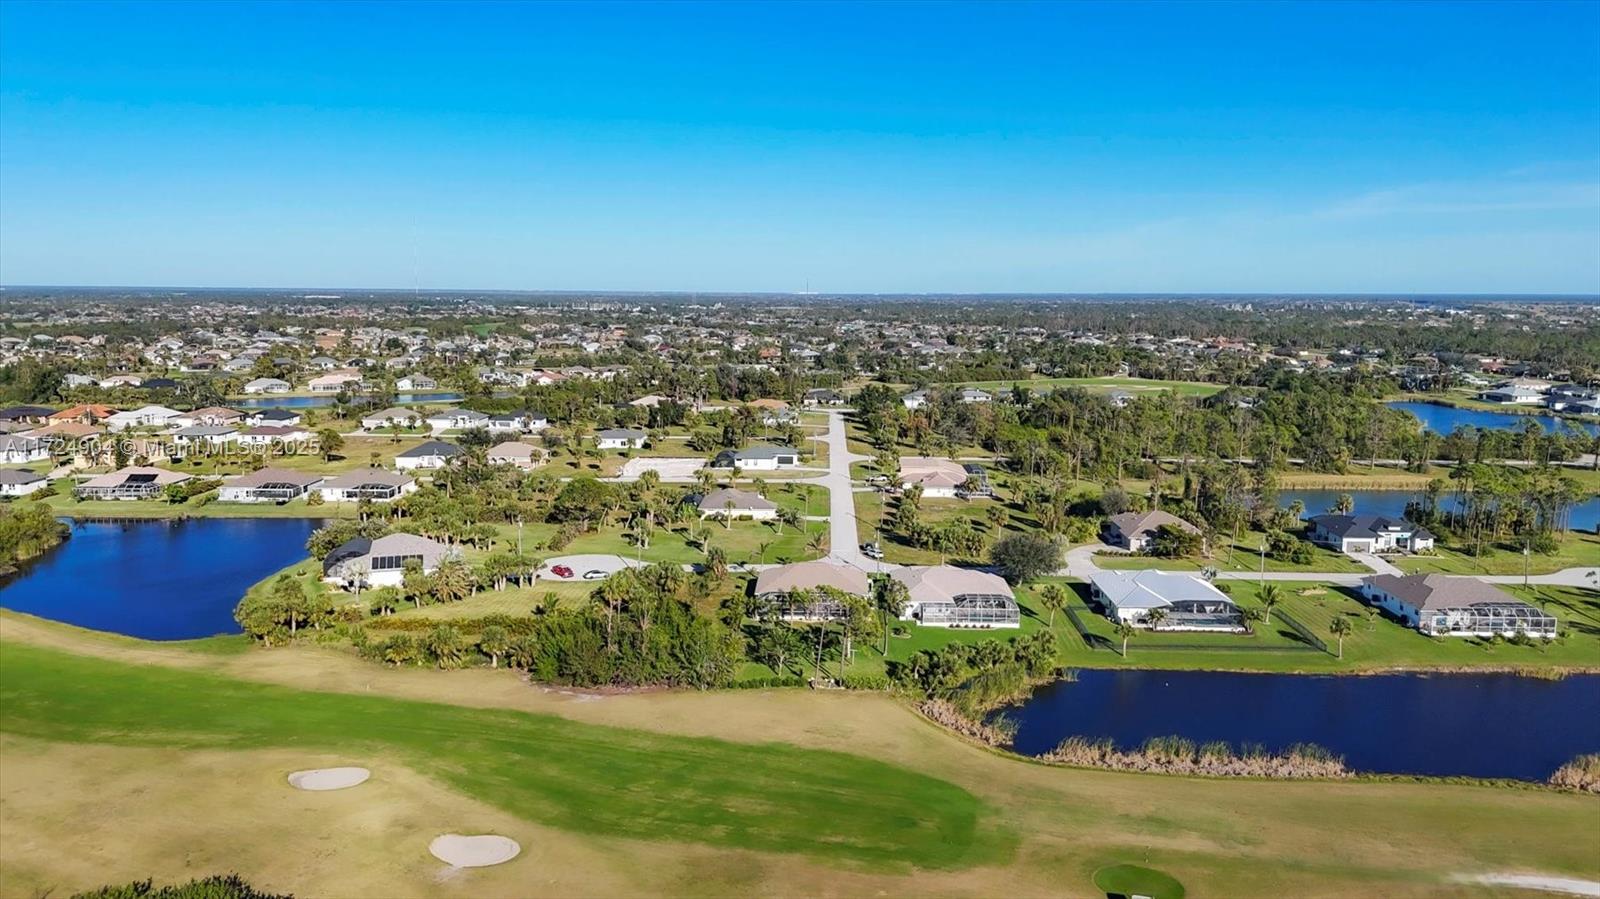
(1263, 563)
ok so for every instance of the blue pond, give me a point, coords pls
(1585, 515)
(315, 402)
(1475, 725)
(1445, 419)
(159, 580)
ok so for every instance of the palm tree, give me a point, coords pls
(1125, 631)
(1155, 617)
(452, 582)
(494, 642)
(817, 542)
(1054, 598)
(891, 597)
(1340, 627)
(1270, 596)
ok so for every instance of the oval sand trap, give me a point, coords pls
(473, 852)
(328, 778)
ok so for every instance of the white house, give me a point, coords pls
(1369, 534)
(333, 382)
(131, 483)
(142, 417)
(727, 502)
(210, 415)
(205, 435)
(1442, 606)
(1187, 602)
(974, 395)
(16, 448)
(362, 562)
(269, 485)
(431, 454)
(20, 481)
(620, 438)
(758, 458)
(267, 435)
(375, 484)
(916, 399)
(267, 385)
(122, 381)
(938, 478)
(388, 418)
(456, 420)
(516, 422)
(275, 417)
(415, 382)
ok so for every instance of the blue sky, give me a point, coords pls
(855, 148)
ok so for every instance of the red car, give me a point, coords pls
(561, 571)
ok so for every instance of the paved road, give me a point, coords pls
(1081, 564)
(844, 540)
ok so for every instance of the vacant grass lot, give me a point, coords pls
(1577, 550)
(875, 510)
(1243, 554)
(655, 793)
(1101, 385)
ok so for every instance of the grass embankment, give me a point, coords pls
(654, 793)
(63, 503)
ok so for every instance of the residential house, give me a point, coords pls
(1368, 534)
(1134, 531)
(15, 448)
(363, 562)
(792, 590)
(273, 417)
(269, 485)
(266, 385)
(20, 481)
(1517, 392)
(431, 454)
(621, 438)
(416, 382)
(938, 478)
(333, 382)
(947, 596)
(1443, 606)
(518, 455)
(375, 484)
(457, 420)
(388, 418)
(728, 502)
(142, 417)
(916, 399)
(210, 415)
(84, 413)
(1187, 602)
(131, 483)
(27, 414)
(974, 395)
(122, 381)
(205, 435)
(757, 458)
(822, 396)
(267, 435)
(519, 422)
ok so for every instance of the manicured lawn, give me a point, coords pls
(1134, 880)
(874, 509)
(553, 771)
(1359, 477)
(1577, 550)
(65, 504)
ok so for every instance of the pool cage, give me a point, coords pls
(972, 610)
(1489, 619)
(813, 608)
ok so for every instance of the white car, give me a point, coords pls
(595, 574)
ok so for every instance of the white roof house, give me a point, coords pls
(1187, 602)
(382, 562)
(520, 455)
(394, 415)
(142, 417)
(267, 385)
(333, 382)
(937, 477)
(728, 502)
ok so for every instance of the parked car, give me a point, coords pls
(872, 550)
(595, 574)
(561, 571)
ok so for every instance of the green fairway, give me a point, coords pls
(578, 777)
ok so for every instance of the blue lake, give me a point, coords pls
(1445, 419)
(1585, 516)
(315, 402)
(159, 580)
(1476, 725)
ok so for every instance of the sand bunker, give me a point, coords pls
(474, 852)
(328, 778)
